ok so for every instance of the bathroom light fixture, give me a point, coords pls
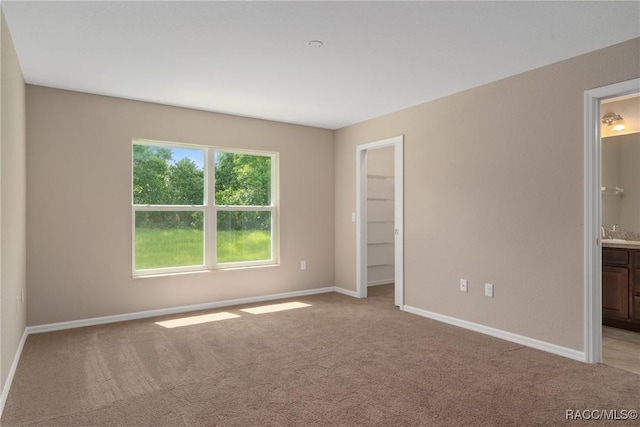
(609, 118)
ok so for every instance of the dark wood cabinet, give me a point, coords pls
(621, 288)
(615, 292)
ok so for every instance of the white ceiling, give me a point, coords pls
(251, 58)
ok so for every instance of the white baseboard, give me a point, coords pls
(380, 282)
(498, 333)
(12, 371)
(174, 310)
(344, 291)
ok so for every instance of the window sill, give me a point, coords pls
(203, 270)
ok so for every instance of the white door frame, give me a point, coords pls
(593, 213)
(361, 216)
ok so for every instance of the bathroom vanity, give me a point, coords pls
(621, 285)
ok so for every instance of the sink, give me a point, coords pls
(613, 241)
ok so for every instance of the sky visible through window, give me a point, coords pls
(197, 156)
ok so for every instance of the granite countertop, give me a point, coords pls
(623, 244)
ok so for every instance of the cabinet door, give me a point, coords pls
(615, 292)
(636, 308)
(635, 294)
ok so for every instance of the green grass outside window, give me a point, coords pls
(161, 248)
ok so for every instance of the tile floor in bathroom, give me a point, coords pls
(621, 348)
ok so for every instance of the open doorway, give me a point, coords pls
(379, 217)
(600, 242)
(620, 210)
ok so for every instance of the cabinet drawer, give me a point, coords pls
(615, 256)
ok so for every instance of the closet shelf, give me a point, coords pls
(380, 244)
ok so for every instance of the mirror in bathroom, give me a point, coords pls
(621, 182)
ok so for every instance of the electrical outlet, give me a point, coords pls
(303, 264)
(463, 285)
(488, 290)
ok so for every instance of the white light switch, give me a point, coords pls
(353, 217)
(303, 264)
(463, 285)
(488, 290)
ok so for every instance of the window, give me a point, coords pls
(200, 208)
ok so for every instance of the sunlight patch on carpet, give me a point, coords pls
(196, 320)
(272, 308)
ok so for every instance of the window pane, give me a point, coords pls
(242, 179)
(169, 239)
(244, 236)
(167, 175)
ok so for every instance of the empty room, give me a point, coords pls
(319, 213)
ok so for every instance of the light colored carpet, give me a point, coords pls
(339, 361)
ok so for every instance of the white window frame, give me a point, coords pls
(210, 210)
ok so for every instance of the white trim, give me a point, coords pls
(169, 208)
(498, 333)
(398, 169)
(210, 233)
(346, 292)
(175, 310)
(592, 330)
(361, 221)
(379, 282)
(209, 210)
(12, 371)
(361, 216)
(592, 305)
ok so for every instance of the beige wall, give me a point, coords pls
(79, 205)
(493, 193)
(12, 202)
